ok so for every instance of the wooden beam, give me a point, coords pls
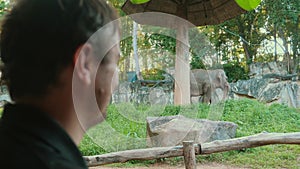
(261, 139)
(205, 148)
(139, 154)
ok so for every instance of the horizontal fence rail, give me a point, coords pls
(261, 139)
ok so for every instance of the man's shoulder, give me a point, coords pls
(58, 164)
(58, 160)
(19, 149)
(15, 155)
(35, 163)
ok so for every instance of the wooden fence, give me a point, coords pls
(197, 149)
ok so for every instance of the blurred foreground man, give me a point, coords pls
(60, 79)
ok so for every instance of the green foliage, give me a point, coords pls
(126, 47)
(251, 116)
(254, 117)
(3, 8)
(161, 41)
(241, 36)
(153, 74)
(200, 49)
(267, 157)
(197, 62)
(120, 120)
(118, 4)
(88, 147)
(235, 72)
(248, 4)
(139, 1)
(239, 41)
(171, 110)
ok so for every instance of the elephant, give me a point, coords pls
(205, 82)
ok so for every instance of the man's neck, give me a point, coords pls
(61, 109)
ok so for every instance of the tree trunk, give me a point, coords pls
(248, 53)
(275, 42)
(286, 48)
(296, 44)
(135, 51)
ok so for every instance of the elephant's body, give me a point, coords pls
(205, 82)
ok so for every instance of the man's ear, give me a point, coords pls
(83, 63)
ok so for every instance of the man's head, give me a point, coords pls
(40, 38)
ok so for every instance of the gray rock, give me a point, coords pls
(157, 96)
(172, 130)
(259, 69)
(270, 93)
(251, 88)
(270, 83)
(290, 94)
(267, 91)
(122, 94)
(196, 99)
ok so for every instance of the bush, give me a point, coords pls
(197, 63)
(153, 74)
(235, 72)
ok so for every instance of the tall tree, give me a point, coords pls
(284, 16)
(241, 34)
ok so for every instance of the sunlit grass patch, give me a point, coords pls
(251, 116)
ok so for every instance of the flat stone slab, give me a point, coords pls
(173, 130)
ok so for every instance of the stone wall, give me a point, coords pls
(270, 83)
(139, 93)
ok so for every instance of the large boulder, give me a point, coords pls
(270, 83)
(250, 88)
(266, 91)
(172, 130)
(259, 69)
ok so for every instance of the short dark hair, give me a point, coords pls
(40, 37)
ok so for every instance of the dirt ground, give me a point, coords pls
(166, 166)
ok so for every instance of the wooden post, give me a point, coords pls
(189, 155)
(182, 95)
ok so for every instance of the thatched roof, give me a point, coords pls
(198, 12)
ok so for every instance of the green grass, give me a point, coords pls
(251, 116)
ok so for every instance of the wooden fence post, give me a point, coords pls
(189, 155)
